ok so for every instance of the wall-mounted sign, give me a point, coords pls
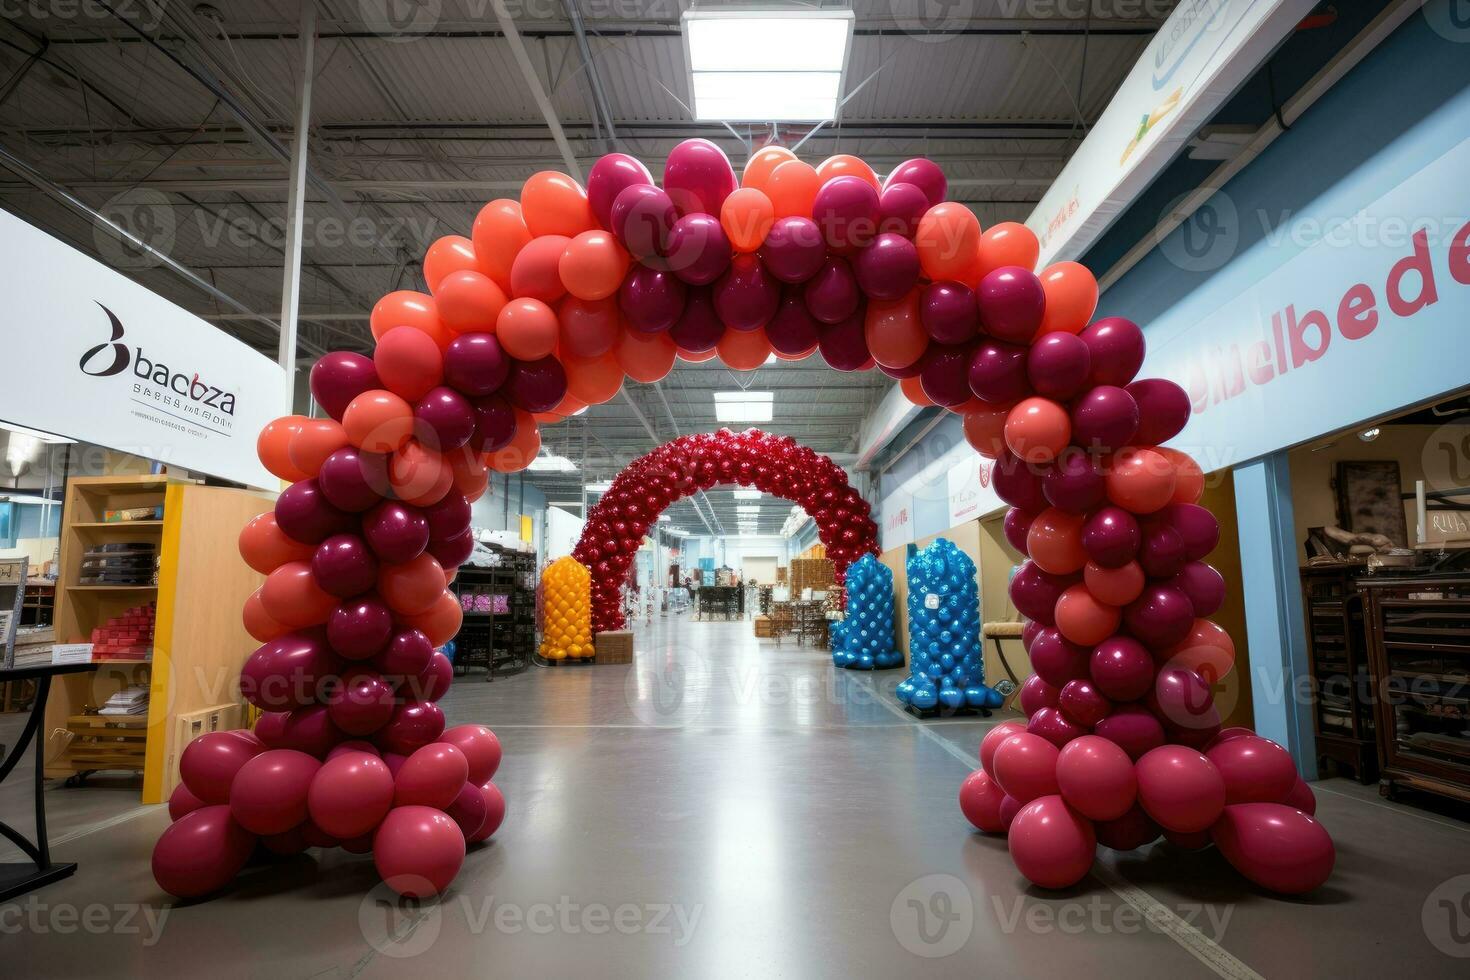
(898, 520)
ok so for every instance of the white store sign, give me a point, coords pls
(94, 356)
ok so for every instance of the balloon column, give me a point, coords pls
(568, 601)
(772, 464)
(947, 669)
(865, 640)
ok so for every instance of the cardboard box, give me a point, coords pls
(763, 626)
(614, 647)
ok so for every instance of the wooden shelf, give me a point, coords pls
(118, 525)
(111, 588)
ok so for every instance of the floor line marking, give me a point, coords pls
(83, 831)
(1404, 810)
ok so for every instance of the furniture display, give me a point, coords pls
(1337, 654)
(499, 604)
(717, 602)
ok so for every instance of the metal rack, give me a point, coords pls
(499, 604)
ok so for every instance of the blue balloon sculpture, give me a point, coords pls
(947, 667)
(864, 640)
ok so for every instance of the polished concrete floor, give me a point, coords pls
(732, 808)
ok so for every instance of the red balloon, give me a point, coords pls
(431, 776)
(1096, 778)
(992, 741)
(268, 795)
(1025, 766)
(1180, 788)
(209, 763)
(418, 850)
(201, 852)
(480, 747)
(1052, 844)
(1255, 770)
(1275, 846)
(980, 800)
(494, 813)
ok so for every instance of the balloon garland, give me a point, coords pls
(567, 633)
(864, 639)
(947, 669)
(617, 523)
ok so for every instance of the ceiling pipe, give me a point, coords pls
(658, 441)
(594, 80)
(538, 91)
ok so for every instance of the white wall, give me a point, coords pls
(563, 528)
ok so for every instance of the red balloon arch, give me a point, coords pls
(772, 464)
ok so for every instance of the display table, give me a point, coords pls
(17, 879)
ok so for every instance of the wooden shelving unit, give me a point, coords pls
(1338, 655)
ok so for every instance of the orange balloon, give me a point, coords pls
(646, 357)
(1054, 542)
(985, 430)
(378, 422)
(406, 308)
(468, 469)
(1037, 429)
(762, 164)
(698, 357)
(555, 204)
(798, 356)
(593, 265)
(896, 337)
(441, 621)
(1140, 480)
(589, 327)
(408, 362)
(948, 242)
(451, 253)
(522, 448)
(1208, 650)
(469, 301)
(273, 446)
(1071, 297)
(1189, 479)
(593, 380)
(744, 350)
(313, 442)
(914, 391)
(1008, 243)
(419, 475)
(258, 623)
(1114, 586)
(792, 188)
(1082, 619)
(499, 234)
(847, 165)
(291, 597)
(537, 269)
(527, 329)
(413, 587)
(569, 405)
(747, 216)
(265, 547)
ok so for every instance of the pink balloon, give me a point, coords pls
(793, 330)
(431, 683)
(1037, 694)
(923, 174)
(340, 376)
(181, 801)
(1121, 669)
(698, 177)
(361, 703)
(1180, 788)
(1017, 525)
(1129, 832)
(846, 209)
(494, 813)
(413, 725)
(1055, 727)
(431, 776)
(1117, 347)
(1275, 846)
(945, 377)
(209, 764)
(1057, 659)
(1255, 770)
(1025, 766)
(793, 251)
(407, 655)
(1163, 410)
(1184, 702)
(746, 296)
(268, 795)
(844, 345)
(1133, 729)
(480, 747)
(642, 219)
(468, 810)
(1204, 586)
(1096, 778)
(201, 852)
(887, 268)
(832, 294)
(608, 178)
(651, 299)
(699, 329)
(947, 311)
(350, 795)
(1052, 844)
(418, 850)
(1083, 703)
(900, 207)
(699, 252)
(353, 745)
(992, 740)
(980, 799)
(1301, 797)
(1011, 302)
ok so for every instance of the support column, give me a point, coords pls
(296, 203)
(1273, 608)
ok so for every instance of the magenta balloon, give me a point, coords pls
(1111, 537)
(304, 514)
(201, 852)
(923, 174)
(418, 850)
(453, 551)
(1017, 483)
(1030, 632)
(413, 724)
(698, 176)
(846, 209)
(362, 703)
(992, 739)
(308, 730)
(832, 295)
(537, 386)
(351, 794)
(844, 345)
(1117, 350)
(407, 655)
(181, 801)
(475, 364)
(1011, 302)
(907, 371)
(793, 250)
(1255, 770)
(1121, 669)
(1037, 694)
(448, 518)
(480, 747)
(209, 763)
(651, 299)
(395, 531)
(1104, 418)
(1180, 789)
(1058, 364)
(1056, 659)
(1055, 727)
(431, 776)
(360, 628)
(746, 296)
(1025, 766)
(495, 423)
(998, 372)
(1182, 700)
(1052, 844)
(1096, 778)
(1160, 617)
(642, 219)
(900, 208)
(268, 795)
(447, 419)
(340, 376)
(431, 683)
(1129, 832)
(1162, 553)
(699, 252)
(468, 809)
(888, 268)
(608, 178)
(1301, 798)
(947, 311)
(1133, 729)
(344, 565)
(1083, 703)
(353, 480)
(290, 671)
(699, 329)
(494, 812)
(1017, 526)
(1275, 846)
(1204, 586)
(945, 378)
(1163, 410)
(793, 330)
(1074, 483)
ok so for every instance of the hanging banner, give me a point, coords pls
(970, 495)
(99, 358)
(898, 520)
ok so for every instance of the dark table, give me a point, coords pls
(17, 879)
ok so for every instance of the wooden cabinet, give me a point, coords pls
(1342, 687)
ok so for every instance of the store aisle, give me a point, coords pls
(729, 808)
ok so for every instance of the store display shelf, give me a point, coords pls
(118, 525)
(111, 588)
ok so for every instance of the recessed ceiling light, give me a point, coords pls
(744, 406)
(1368, 435)
(743, 494)
(766, 65)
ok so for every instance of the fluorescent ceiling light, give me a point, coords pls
(766, 65)
(603, 487)
(743, 494)
(553, 464)
(750, 509)
(744, 406)
(664, 518)
(37, 434)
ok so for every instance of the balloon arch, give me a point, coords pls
(772, 464)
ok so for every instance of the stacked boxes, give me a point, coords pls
(614, 647)
(125, 637)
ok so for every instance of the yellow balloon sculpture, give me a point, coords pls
(567, 600)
